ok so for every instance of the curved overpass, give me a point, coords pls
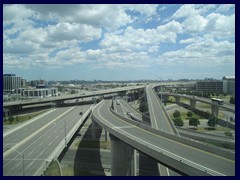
(172, 153)
(69, 97)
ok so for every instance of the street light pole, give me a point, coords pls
(65, 133)
(23, 165)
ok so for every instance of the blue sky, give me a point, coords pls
(119, 42)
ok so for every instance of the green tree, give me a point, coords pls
(232, 100)
(11, 119)
(178, 121)
(189, 113)
(212, 121)
(176, 114)
(194, 121)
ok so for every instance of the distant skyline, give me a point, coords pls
(119, 42)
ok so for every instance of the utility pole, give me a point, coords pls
(65, 133)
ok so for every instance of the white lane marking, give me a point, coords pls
(154, 117)
(164, 114)
(161, 149)
(167, 171)
(30, 164)
(120, 127)
(30, 152)
(5, 154)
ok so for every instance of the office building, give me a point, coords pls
(11, 82)
(229, 84)
(37, 92)
(210, 85)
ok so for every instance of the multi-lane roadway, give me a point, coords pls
(31, 146)
(162, 148)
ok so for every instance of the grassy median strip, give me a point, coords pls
(20, 118)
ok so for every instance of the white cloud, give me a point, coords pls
(194, 24)
(140, 39)
(201, 52)
(119, 35)
(220, 25)
(186, 10)
(225, 7)
(68, 32)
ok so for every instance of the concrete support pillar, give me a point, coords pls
(106, 134)
(193, 103)
(177, 99)
(215, 109)
(136, 165)
(93, 129)
(122, 158)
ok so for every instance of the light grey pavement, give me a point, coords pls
(196, 156)
(37, 141)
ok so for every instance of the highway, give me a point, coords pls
(69, 97)
(168, 151)
(226, 106)
(39, 141)
(159, 119)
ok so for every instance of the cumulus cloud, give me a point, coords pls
(202, 52)
(139, 39)
(68, 32)
(116, 36)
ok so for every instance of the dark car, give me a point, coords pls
(80, 113)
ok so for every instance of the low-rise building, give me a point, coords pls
(212, 86)
(229, 84)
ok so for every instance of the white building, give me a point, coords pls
(229, 84)
(11, 82)
(37, 92)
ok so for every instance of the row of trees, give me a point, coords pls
(193, 120)
(202, 94)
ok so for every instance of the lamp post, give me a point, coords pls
(65, 133)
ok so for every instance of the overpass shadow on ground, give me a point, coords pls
(86, 163)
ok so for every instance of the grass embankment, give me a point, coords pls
(52, 170)
(20, 118)
(75, 171)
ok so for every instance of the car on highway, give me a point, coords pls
(80, 113)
